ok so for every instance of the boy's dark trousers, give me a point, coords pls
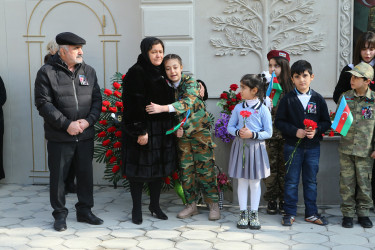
(373, 184)
(305, 161)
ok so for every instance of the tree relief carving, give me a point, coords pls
(256, 26)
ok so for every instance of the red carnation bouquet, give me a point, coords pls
(309, 125)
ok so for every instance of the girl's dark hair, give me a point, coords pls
(366, 37)
(172, 56)
(255, 81)
(285, 76)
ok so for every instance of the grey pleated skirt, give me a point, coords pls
(256, 164)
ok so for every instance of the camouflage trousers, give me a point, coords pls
(275, 182)
(355, 185)
(198, 167)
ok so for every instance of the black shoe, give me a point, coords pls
(89, 217)
(365, 222)
(347, 222)
(281, 207)
(137, 216)
(60, 224)
(158, 213)
(272, 207)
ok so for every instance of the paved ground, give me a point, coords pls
(26, 223)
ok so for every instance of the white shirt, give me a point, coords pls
(303, 98)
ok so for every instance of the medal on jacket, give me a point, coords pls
(83, 80)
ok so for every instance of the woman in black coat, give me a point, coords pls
(3, 98)
(148, 153)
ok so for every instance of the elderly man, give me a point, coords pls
(67, 96)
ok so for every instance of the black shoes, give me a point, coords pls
(272, 207)
(158, 213)
(60, 224)
(137, 216)
(347, 222)
(365, 222)
(89, 218)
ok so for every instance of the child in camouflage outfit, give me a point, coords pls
(356, 149)
(195, 142)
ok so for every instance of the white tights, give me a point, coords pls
(242, 191)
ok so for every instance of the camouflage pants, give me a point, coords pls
(275, 182)
(355, 185)
(198, 167)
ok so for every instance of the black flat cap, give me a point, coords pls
(69, 38)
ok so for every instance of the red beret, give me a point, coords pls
(278, 53)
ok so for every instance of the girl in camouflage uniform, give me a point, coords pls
(195, 143)
(278, 62)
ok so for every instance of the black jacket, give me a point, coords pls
(343, 84)
(3, 99)
(290, 116)
(143, 84)
(61, 98)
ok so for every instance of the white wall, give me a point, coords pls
(185, 26)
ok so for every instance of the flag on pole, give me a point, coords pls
(343, 118)
(274, 89)
(170, 131)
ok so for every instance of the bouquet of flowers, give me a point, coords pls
(223, 184)
(228, 100)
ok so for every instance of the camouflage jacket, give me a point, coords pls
(359, 139)
(187, 97)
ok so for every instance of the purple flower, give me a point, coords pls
(221, 128)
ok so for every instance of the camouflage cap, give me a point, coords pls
(363, 70)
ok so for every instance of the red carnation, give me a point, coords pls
(106, 103)
(245, 113)
(224, 96)
(117, 145)
(113, 159)
(106, 142)
(231, 107)
(103, 122)
(118, 134)
(111, 129)
(234, 100)
(233, 87)
(310, 124)
(102, 134)
(238, 96)
(175, 176)
(123, 76)
(104, 109)
(108, 92)
(167, 180)
(108, 153)
(116, 85)
(118, 104)
(124, 176)
(115, 168)
(113, 109)
(331, 133)
(117, 94)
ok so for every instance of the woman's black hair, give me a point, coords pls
(256, 81)
(146, 46)
(366, 37)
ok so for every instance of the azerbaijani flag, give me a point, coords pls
(170, 131)
(274, 89)
(343, 118)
